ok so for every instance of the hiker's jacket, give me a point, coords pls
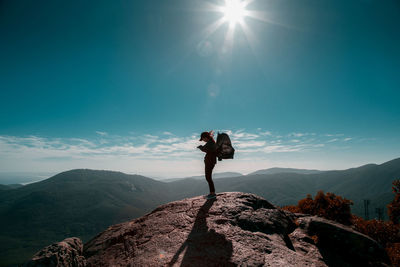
(211, 153)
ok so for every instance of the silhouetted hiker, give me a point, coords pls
(210, 159)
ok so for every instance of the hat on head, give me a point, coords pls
(204, 134)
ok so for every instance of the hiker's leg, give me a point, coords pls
(208, 170)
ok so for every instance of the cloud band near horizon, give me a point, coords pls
(169, 155)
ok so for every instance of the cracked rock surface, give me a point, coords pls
(235, 229)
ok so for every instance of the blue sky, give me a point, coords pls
(90, 83)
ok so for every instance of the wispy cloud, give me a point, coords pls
(247, 144)
(101, 133)
(150, 145)
(265, 133)
(244, 135)
(297, 134)
(138, 150)
(333, 135)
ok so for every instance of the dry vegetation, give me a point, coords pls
(336, 208)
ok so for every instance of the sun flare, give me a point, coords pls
(234, 11)
(239, 17)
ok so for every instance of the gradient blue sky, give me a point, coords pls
(110, 84)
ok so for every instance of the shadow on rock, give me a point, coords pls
(203, 246)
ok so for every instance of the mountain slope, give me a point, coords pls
(77, 202)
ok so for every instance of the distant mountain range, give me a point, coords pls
(284, 170)
(370, 181)
(9, 186)
(236, 174)
(215, 176)
(85, 202)
(7, 178)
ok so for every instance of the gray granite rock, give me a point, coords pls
(67, 253)
(235, 229)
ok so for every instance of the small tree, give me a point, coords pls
(306, 205)
(329, 206)
(394, 206)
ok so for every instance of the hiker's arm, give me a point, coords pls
(208, 147)
(202, 148)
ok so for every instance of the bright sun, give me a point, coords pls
(234, 11)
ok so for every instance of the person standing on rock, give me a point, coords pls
(210, 159)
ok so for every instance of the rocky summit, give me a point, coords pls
(235, 229)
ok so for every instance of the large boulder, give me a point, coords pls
(67, 253)
(235, 229)
(339, 245)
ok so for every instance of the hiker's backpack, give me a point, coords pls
(224, 147)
